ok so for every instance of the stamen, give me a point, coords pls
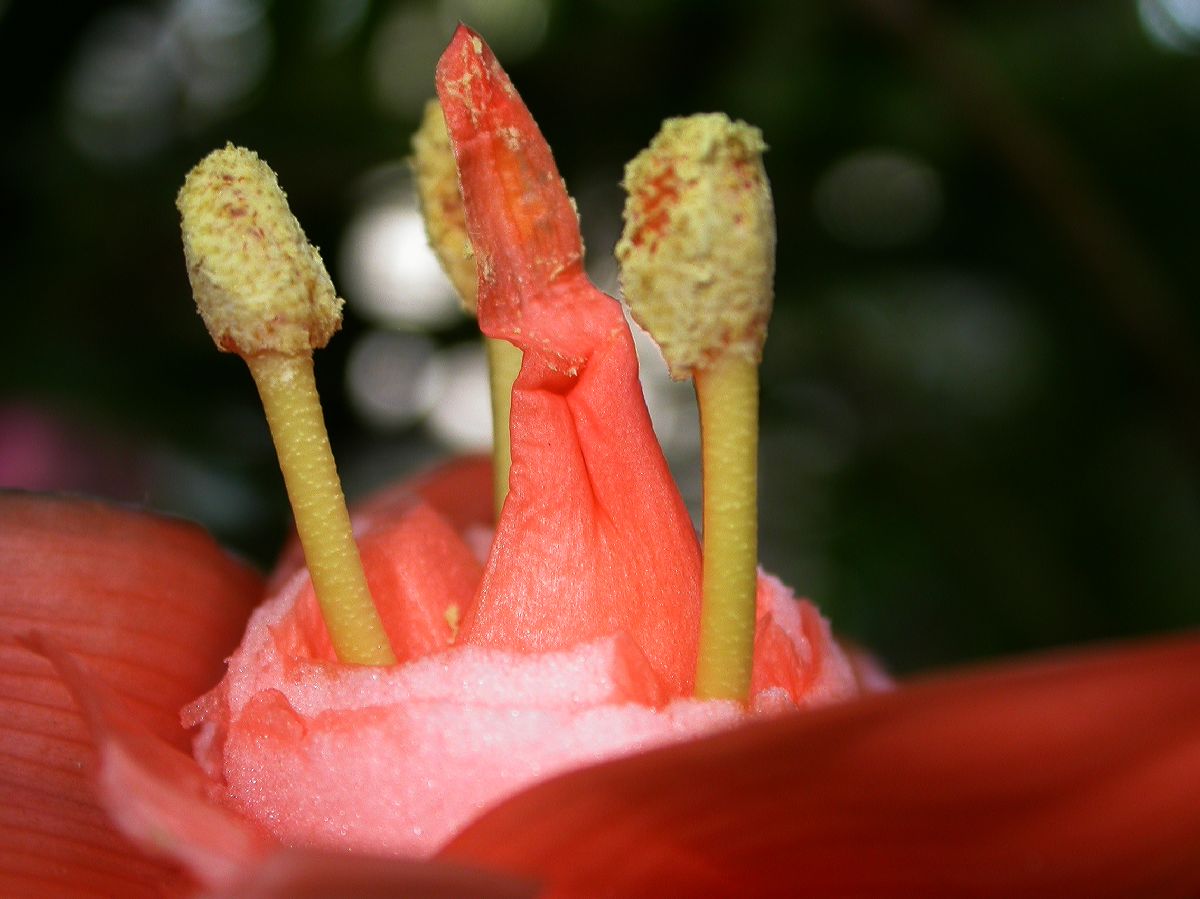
(446, 225)
(697, 263)
(264, 294)
(441, 204)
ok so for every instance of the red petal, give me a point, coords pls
(594, 537)
(153, 606)
(1069, 776)
(156, 793)
(461, 490)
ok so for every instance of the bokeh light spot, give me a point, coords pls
(337, 21)
(383, 377)
(403, 55)
(119, 90)
(944, 337)
(138, 76)
(878, 199)
(1171, 24)
(388, 272)
(455, 390)
(219, 49)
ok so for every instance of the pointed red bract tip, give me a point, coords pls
(521, 223)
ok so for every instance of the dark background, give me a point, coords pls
(981, 396)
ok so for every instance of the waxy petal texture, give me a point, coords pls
(151, 606)
(396, 760)
(1072, 776)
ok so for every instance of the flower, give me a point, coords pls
(1069, 776)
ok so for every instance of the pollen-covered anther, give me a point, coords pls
(442, 205)
(259, 285)
(698, 251)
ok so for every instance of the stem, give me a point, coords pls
(289, 397)
(728, 394)
(504, 363)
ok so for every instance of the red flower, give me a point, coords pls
(574, 642)
(1075, 776)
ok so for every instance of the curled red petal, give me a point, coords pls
(584, 549)
(593, 538)
(153, 606)
(1071, 776)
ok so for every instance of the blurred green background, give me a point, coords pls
(981, 399)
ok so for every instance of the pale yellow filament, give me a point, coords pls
(728, 394)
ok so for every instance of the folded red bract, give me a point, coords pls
(594, 538)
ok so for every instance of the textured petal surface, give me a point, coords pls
(155, 793)
(594, 538)
(1070, 776)
(152, 606)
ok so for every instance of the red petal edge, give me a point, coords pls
(156, 794)
(1069, 776)
(159, 796)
